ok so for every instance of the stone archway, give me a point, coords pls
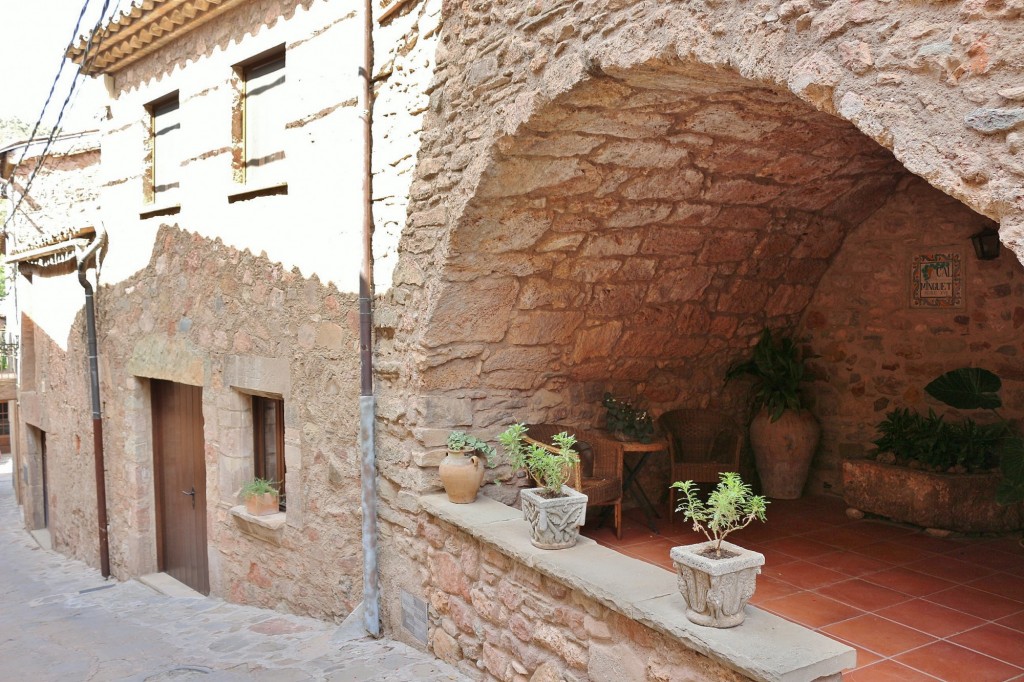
(650, 179)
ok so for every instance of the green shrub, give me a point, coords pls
(731, 506)
(549, 466)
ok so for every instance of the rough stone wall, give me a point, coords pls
(875, 353)
(497, 619)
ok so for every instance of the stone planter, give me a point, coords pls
(462, 474)
(261, 505)
(959, 502)
(783, 451)
(716, 590)
(554, 522)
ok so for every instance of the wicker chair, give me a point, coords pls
(702, 444)
(599, 475)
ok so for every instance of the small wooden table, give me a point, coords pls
(630, 484)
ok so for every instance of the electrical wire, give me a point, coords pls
(54, 131)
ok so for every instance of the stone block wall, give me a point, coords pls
(872, 352)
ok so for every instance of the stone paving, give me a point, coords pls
(59, 620)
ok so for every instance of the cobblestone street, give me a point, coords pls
(59, 620)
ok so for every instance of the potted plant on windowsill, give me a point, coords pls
(462, 471)
(717, 578)
(261, 497)
(783, 433)
(555, 511)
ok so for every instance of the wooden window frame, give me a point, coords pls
(259, 441)
(240, 153)
(149, 177)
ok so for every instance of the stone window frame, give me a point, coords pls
(245, 186)
(159, 202)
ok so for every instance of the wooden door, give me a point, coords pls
(180, 466)
(42, 460)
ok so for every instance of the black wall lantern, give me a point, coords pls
(986, 244)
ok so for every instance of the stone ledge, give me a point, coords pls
(269, 528)
(765, 648)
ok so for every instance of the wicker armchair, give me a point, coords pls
(702, 444)
(599, 475)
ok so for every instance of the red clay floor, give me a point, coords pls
(914, 607)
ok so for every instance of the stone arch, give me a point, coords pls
(532, 197)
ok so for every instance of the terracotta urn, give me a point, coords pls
(462, 474)
(554, 521)
(261, 505)
(783, 451)
(716, 590)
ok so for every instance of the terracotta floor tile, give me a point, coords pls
(810, 609)
(931, 618)
(989, 556)
(862, 594)
(887, 671)
(947, 661)
(769, 588)
(1003, 584)
(798, 547)
(975, 602)
(845, 537)
(1016, 621)
(884, 530)
(927, 543)
(631, 534)
(879, 635)
(951, 569)
(893, 552)
(850, 563)
(803, 574)
(772, 557)
(653, 551)
(909, 582)
(864, 657)
(1014, 544)
(996, 641)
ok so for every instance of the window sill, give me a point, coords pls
(765, 647)
(247, 192)
(156, 210)
(268, 528)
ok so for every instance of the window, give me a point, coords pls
(5, 420)
(162, 178)
(268, 443)
(260, 149)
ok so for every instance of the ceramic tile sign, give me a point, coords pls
(937, 280)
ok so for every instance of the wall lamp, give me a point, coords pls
(986, 244)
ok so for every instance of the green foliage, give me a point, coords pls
(731, 506)
(967, 388)
(778, 370)
(549, 466)
(257, 487)
(622, 417)
(937, 444)
(460, 441)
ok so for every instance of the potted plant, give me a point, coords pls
(940, 473)
(261, 497)
(555, 511)
(783, 434)
(626, 422)
(717, 578)
(462, 471)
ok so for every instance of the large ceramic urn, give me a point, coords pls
(783, 451)
(462, 474)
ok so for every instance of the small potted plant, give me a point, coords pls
(462, 471)
(716, 578)
(783, 433)
(261, 497)
(555, 511)
(626, 422)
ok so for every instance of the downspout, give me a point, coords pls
(367, 411)
(94, 384)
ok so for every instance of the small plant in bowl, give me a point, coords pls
(261, 497)
(717, 578)
(555, 511)
(462, 470)
(626, 421)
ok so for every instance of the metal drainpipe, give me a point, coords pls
(94, 383)
(367, 411)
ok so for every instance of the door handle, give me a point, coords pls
(192, 494)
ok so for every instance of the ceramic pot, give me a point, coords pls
(783, 451)
(554, 521)
(261, 505)
(716, 590)
(462, 475)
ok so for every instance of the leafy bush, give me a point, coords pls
(939, 445)
(257, 487)
(460, 441)
(778, 371)
(623, 418)
(730, 507)
(549, 465)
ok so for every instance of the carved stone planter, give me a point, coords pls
(960, 502)
(716, 590)
(554, 522)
